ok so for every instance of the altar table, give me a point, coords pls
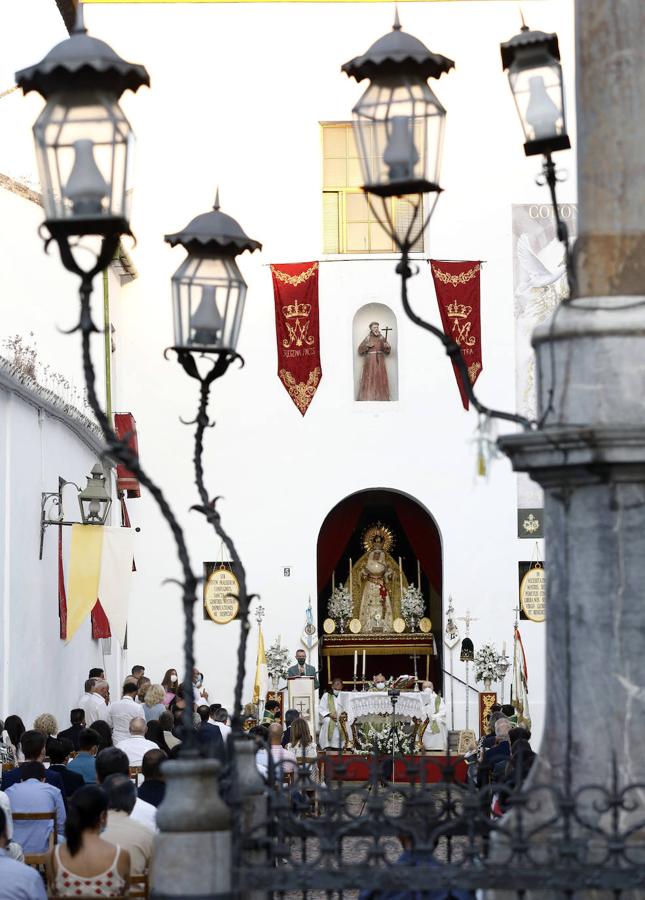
(374, 703)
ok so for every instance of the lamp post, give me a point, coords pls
(399, 124)
(532, 59)
(208, 294)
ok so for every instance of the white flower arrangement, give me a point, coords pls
(341, 606)
(412, 605)
(487, 661)
(384, 741)
(277, 658)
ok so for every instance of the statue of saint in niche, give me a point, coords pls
(374, 384)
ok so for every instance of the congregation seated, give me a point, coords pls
(289, 717)
(209, 736)
(77, 720)
(102, 868)
(14, 729)
(32, 745)
(59, 753)
(113, 761)
(167, 723)
(155, 733)
(85, 760)
(32, 794)
(136, 744)
(276, 762)
(124, 831)
(303, 746)
(153, 787)
(17, 881)
(101, 727)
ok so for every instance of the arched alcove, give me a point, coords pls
(418, 544)
(386, 320)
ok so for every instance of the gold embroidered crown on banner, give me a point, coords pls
(458, 310)
(296, 310)
(294, 279)
(454, 280)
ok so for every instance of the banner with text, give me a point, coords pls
(295, 292)
(457, 288)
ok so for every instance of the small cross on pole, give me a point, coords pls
(386, 330)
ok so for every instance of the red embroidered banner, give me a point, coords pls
(126, 429)
(295, 292)
(457, 288)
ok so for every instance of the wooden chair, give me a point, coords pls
(135, 772)
(38, 859)
(139, 886)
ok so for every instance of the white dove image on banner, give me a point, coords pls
(100, 567)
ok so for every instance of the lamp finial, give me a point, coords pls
(397, 21)
(524, 27)
(79, 24)
(216, 204)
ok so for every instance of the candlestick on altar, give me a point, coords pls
(333, 582)
(400, 579)
(363, 668)
(355, 666)
(418, 575)
(351, 581)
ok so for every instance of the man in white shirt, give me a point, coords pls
(94, 701)
(112, 761)
(122, 712)
(219, 717)
(136, 745)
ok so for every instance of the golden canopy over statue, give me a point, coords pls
(377, 582)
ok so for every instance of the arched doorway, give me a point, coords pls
(418, 545)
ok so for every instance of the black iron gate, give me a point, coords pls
(433, 832)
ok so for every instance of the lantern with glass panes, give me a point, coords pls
(94, 500)
(208, 289)
(399, 122)
(532, 59)
(83, 139)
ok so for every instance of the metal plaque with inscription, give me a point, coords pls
(221, 593)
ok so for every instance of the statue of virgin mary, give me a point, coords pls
(378, 582)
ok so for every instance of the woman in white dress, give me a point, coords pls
(86, 864)
(304, 747)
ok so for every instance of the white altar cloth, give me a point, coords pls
(371, 703)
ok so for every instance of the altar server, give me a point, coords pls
(435, 733)
(332, 718)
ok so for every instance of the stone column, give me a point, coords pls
(192, 856)
(590, 454)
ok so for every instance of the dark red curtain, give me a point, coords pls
(62, 596)
(100, 622)
(338, 528)
(424, 538)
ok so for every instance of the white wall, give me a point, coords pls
(237, 102)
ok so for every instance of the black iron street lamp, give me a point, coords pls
(83, 145)
(532, 59)
(399, 125)
(83, 142)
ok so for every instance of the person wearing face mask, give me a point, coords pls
(333, 733)
(379, 683)
(169, 683)
(434, 731)
(302, 667)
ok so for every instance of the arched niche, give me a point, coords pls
(417, 539)
(386, 319)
